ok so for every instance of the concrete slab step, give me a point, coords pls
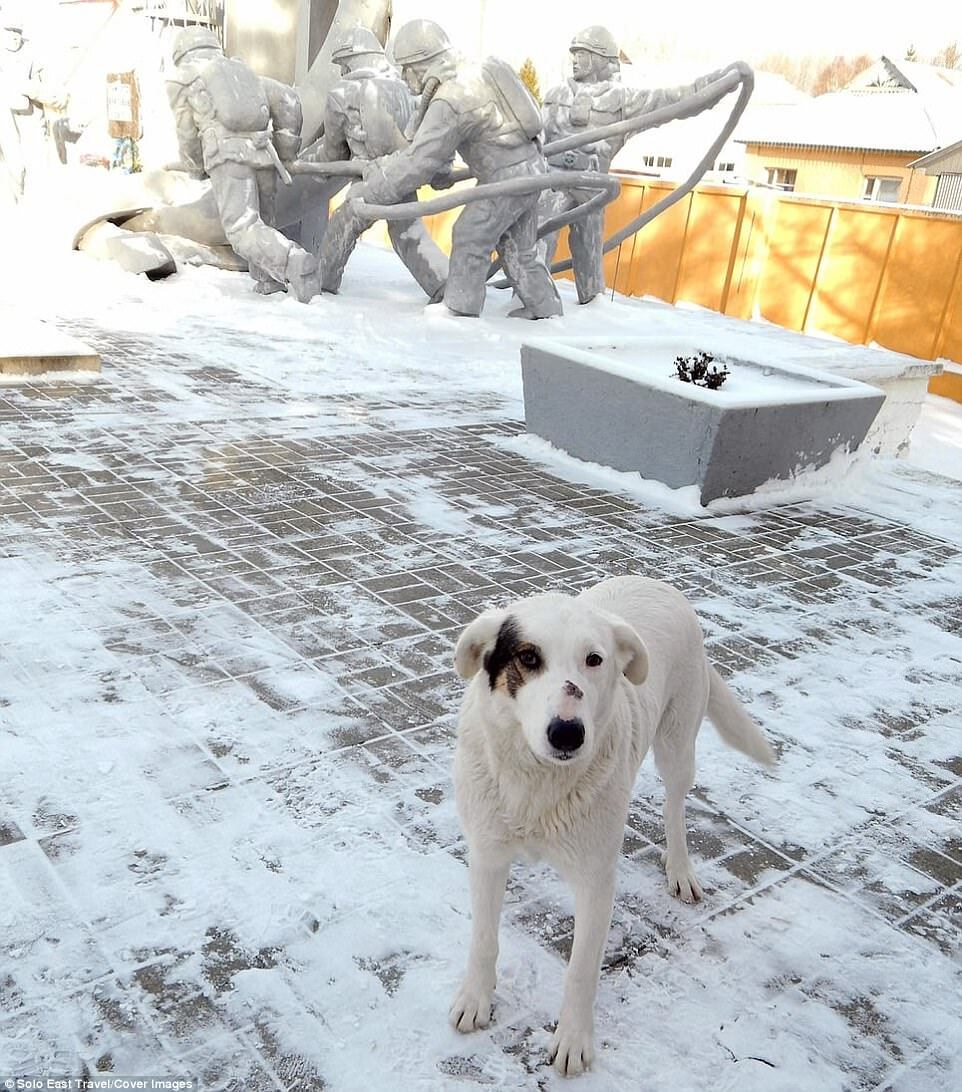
(29, 347)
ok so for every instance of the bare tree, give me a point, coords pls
(949, 56)
(839, 72)
(814, 74)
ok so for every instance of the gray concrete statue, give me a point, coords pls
(366, 115)
(594, 96)
(238, 128)
(28, 103)
(485, 114)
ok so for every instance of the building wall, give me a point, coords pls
(264, 34)
(830, 172)
(949, 162)
(948, 194)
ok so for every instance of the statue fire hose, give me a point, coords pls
(710, 91)
(485, 114)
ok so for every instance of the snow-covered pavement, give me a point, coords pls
(232, 569)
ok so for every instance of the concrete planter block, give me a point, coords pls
(618, 403)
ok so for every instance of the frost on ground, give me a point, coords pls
(232, 572)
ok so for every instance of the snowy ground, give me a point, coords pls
(232, 571)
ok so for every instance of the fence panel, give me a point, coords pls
(658, 248)
(797, 234)
(918, 281)
(851, 273)
(706, 256)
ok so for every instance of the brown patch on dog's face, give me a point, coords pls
(513, 660)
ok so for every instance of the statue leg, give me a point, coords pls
(474, 236)
(519, 252)
(11, 154)
(343, 230)
(238, 202)
(550, 204)
(586, 239)
(236, 192)
(424, 259)
(264, 283)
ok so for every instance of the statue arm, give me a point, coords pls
(433, 148)
(335, 146)
(551, 117)
(287, 117)
(639, 101)
(188, 137)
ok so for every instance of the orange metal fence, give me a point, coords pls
(863, 273)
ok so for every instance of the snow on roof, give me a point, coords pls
(910, 75)
(878, 118)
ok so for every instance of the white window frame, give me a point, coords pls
(874, 184)
(777, 177)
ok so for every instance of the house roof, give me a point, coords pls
(917, 109)
(939, 156)
(909, 75)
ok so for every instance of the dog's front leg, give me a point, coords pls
(488, 876)
(572, 1048)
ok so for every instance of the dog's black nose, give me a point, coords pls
(566, 735)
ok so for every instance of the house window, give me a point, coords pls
(782, 178)
(724, 166)
(648, 160)
(663, 161)
(882, 189)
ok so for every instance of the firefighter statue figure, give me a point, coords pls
(484, 113)
(594, 96)
(365, 116)
(238, 128)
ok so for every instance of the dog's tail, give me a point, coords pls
(734, 725)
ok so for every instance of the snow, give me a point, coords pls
(748, 383)
(937, 440)
(233, 570)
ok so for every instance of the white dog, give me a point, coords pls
(566, 695)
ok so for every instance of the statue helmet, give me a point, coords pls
(356, 42)
(597, 40)
(194, 38)
(419, 40)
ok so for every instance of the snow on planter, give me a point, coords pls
(620, 403)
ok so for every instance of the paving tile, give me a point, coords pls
(245, 616)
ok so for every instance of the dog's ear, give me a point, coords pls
(479, 638)
(631, 652)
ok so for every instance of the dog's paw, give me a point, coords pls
(682, 882)
(471, 1010)
(571, 1050)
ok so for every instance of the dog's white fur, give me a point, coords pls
(519, 796)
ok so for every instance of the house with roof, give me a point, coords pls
(671, 151)
(945, 165)
(863, 142)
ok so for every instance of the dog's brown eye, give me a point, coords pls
(593, 660)
(528, 658)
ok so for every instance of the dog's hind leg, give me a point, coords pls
(488, 874)
(674, 747)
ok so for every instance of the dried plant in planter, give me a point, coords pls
(695, 369)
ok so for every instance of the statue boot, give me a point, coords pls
(303, 275)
